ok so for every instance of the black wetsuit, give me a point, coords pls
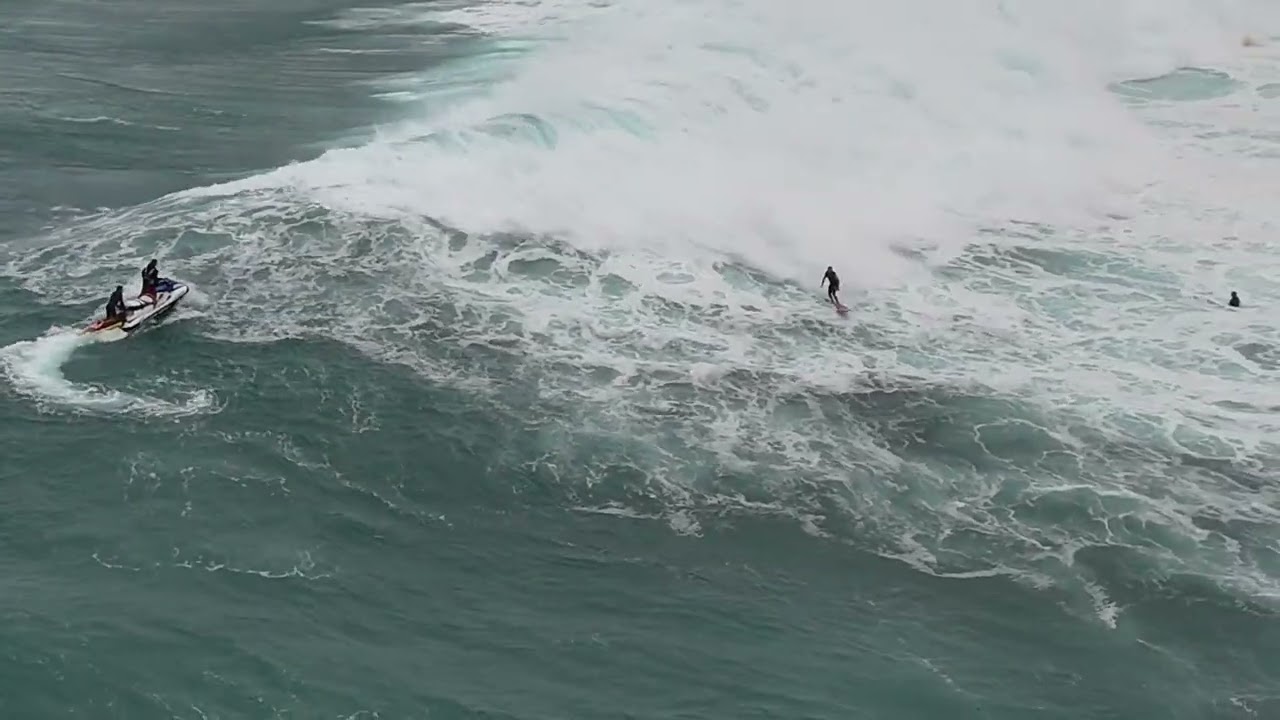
(150, 276)
(1234, 301)
(115, 305)
(833, 286)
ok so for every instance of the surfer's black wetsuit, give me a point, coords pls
(1235, 300)
(834, 286)
(115, 304)
(150, 277)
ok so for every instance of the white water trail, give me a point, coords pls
(35, 368)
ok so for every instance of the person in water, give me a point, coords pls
(1235, 299)
(150, 278)
(115, 305)
(833, 287)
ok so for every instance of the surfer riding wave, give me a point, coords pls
(833, 285)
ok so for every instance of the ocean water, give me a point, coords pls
(506, 388)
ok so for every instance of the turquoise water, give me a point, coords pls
(505, 391)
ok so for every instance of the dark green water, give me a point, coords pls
(354, 478)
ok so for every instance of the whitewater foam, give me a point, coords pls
(767, 147)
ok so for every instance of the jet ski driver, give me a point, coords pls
(150, 278)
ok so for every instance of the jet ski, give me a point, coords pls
(144, 309)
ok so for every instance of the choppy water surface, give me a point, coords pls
(506, 388)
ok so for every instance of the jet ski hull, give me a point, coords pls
(142, 311)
